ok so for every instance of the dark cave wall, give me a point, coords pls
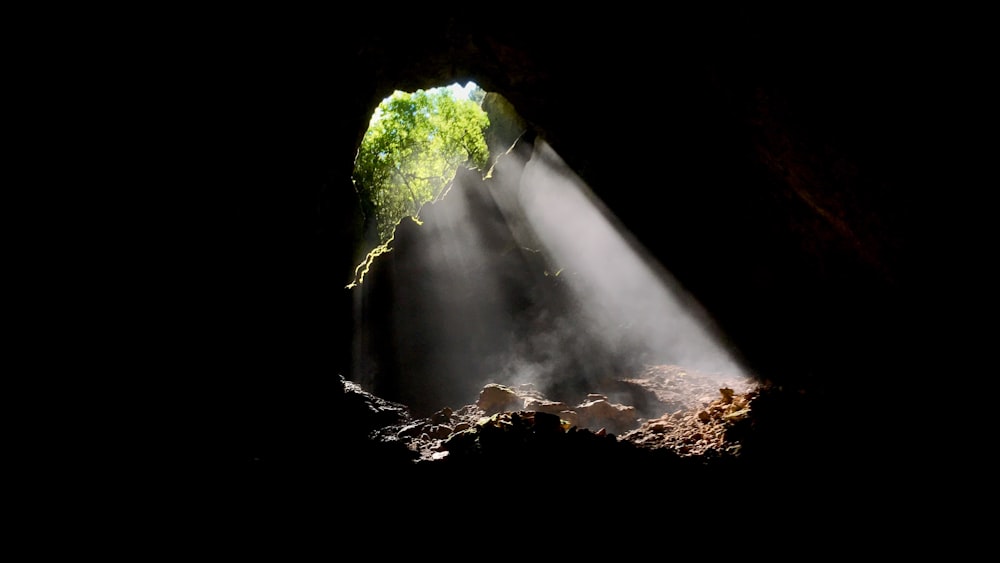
(764, 164)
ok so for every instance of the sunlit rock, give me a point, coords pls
(496, 398)
(544, 405)
(601, 413)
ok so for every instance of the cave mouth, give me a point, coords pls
(519, 277)
(414, 145)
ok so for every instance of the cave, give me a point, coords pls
(768, 164)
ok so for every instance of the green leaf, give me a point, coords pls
(413, 149)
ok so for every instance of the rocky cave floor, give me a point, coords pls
(681, 414)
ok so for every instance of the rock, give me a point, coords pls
(741, 414)
(442, 416)
(601, 413)
(439, 431)
(496, 398)
(370, 411)
(570, 417)
(412, 429)
(542, 405)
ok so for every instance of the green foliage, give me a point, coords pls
(412, 150)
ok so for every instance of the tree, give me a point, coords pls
(412, 150)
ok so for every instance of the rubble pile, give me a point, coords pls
(689, 421)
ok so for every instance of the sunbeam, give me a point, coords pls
(629, 300)
(520, 276)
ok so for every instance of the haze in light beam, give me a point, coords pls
(463, 300)
(634, 303)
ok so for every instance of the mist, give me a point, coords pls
(523, 278)
(625, 299)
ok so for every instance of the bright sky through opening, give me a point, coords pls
(458, 91)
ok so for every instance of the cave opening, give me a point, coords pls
(515, 275)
